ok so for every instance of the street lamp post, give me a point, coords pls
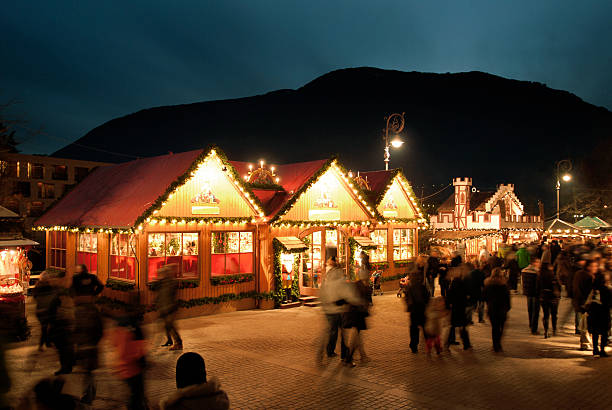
(395, 124)
(565, 165)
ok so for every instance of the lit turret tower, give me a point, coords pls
(462, 201)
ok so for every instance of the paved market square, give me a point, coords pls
(265, 359)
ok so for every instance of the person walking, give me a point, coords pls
(443, 268)
(431, 273)
(336, 295)
(457, 301)
(530, 290)
(194, 390)
(354, 321)
(130, 348)
(476, 285)
(88, 326)
(43, 293)
(598, 308)
(546, 255)
(523, 257)
(497, 296)
(435, 317)
(417, 297)
(61, 328)
(549, 292)
(167, 304)
(581, 288)
(513, 269)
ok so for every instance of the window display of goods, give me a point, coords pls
(10, 288)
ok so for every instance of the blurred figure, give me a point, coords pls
(354, 321)
(61, 327)
(129, 341)
(43, 294)
(514, 270)
(432, 267)
(549, 291)
(555, 250)
(167, 305)
(88, 326)
(435, 318)
(417, 297)
(193, 390)
(47, 395)
(484, 253)
(497, 295)
(523, 257)
(546, 255)
(476, 285)
(5, 379)
(443, 268)
(598, 307)
(563, 268)
(530, 290)
(457, 301)
(583, 284)
(336, 295)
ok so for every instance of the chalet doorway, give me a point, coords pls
(322, 243)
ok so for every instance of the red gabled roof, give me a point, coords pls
(378, 182)
(477, 201)
(116, 195)
(292, 177)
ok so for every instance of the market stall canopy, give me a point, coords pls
(8, 243)
(365, 242)
(291, 244)
(116, 195)
(592, 223)
(7, 213)
(560, 226)
(463, 234)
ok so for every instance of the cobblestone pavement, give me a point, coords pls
(266, 359)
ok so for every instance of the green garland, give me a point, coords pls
(181, 180)
(307, 224)
(120, 285)
(391, 278)
(364, 194)
(215, 300)
(232, 279)
(295, 283)
(402, 264)
(205, 219)
(182, 284)
(351, 257)
(84, 229)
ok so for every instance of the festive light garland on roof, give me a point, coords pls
(210, 154)
(308, 224)
(84, 229)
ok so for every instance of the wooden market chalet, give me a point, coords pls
(248, 235)
(471, 219)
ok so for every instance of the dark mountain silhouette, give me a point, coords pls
(493, 129)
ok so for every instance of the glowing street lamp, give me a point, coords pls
(395, 123)
(565, 165)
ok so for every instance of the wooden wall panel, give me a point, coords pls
(222, 195)
(330, 186)
(396, 194)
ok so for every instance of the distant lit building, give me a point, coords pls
(29, 184)
(472, 219)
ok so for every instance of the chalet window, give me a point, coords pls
(474, 218)
(36, 171)
(232, 253)
(180, 248)
(379, 237)
(403, 244)
(36, 208)
(87, 251)
(45, 191)
(487, 218)
(123, 256)
(57, 249)
(80, 173)
(60, 172)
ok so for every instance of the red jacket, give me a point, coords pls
(130, 352)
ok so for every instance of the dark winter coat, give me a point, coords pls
(457, 301)
(530, 282)
(583, 283)
(198, 396)
(167, 302)
(43, 294)
(513, 272)
(476, 285)
(598, 320)
(549, 289)
(497, 296)
(356, 315)
(416, 298)
(563, 268)
(431, 269)
(86, 284)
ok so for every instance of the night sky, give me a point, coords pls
(74, 65)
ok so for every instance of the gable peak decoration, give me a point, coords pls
(263, 175)
(334, 166)
(198, 167)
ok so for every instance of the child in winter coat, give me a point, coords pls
(435, 316)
